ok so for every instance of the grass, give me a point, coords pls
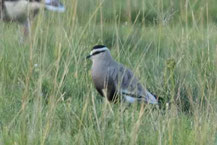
(46, 91)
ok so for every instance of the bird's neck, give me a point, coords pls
(103, 60)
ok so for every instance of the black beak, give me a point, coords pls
(89, 56)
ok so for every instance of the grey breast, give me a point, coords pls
(104, 83)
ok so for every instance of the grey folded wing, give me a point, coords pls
(125, 81)
(127, 84)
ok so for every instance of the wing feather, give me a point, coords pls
(128, 85)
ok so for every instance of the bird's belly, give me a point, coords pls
(18, 11)
(99, 83)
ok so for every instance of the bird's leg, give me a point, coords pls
(124, 104)
(104, 93)
(27, 30)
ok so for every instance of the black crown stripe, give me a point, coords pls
(98, 47)
(97, 52)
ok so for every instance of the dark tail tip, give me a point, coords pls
(161, 102)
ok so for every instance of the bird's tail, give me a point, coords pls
(151, 99)
(161, 102)
(154, 99)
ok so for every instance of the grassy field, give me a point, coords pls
(46, 92)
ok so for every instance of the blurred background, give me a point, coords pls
(46, 91)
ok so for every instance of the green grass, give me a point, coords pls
(46, 91)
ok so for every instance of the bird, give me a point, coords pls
(115, 81)
(22, 11)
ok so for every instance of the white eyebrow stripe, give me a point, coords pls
(98, 50)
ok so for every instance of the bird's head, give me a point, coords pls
(98, 52)
(54, 5)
